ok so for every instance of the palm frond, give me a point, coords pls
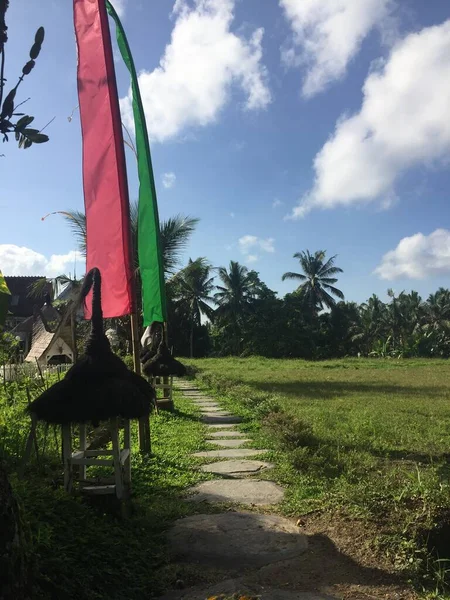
(39, 288)
(175, 235)
(291, 275)
(334, 291)
(77, 223)
(330, 271)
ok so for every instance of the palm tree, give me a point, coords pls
(318, 280)
(372, 324)
(234, 298)
(193, 286)
(175, 233)
(437, 311)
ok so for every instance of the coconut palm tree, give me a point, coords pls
(175, 233)
(192, 293)
(436, 315)
(372, 324)
(234, 298)
(318, 280)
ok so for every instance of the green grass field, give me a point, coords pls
(365, 439)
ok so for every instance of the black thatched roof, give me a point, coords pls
(161, 364)
(82, 398)
(99, 386)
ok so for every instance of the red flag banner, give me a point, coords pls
(104, 173)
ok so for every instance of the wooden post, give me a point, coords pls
(166, 390)
(67, 455)
(73, 331)
(83, 449)
(144, 422)
(29, 445)
(127, 446)
(116, 457)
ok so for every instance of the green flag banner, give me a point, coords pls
(4, 299)
(149, 247)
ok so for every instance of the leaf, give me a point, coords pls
(17, 136)
(40, 138)
(27, 144)
(34, 52)
(35, 136)
(28, 67)
(36, 47)
(8, 105)
(24, 122)
(39, 37)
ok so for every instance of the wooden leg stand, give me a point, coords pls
(117, 458)
(165, 400)
(31, 440)
(67, 456)
(83, 443)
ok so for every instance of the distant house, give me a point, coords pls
(21, 304)
(24, 329)
(50, 345)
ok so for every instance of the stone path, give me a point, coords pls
(236, 468)
(237, 541)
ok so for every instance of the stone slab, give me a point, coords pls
(229, 443)
(236, 539)
(225, 434)
(221, 426)
(243, 491)
(220, 419)
(205, 403)
(216, 413)
(238, 588)
(230, 453)
(236, 468)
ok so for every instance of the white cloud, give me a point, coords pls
(403, 122)
(327, 34)
(19, 260)
(202, 64)
(119, 5)
(168, 180)
(418, 257)
(248, 244)
(276, 203)
(267, 245)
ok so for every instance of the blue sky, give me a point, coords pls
(284, 125)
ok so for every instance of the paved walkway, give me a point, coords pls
(239, 542)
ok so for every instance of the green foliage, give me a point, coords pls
(25, 136)
(9, 347)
